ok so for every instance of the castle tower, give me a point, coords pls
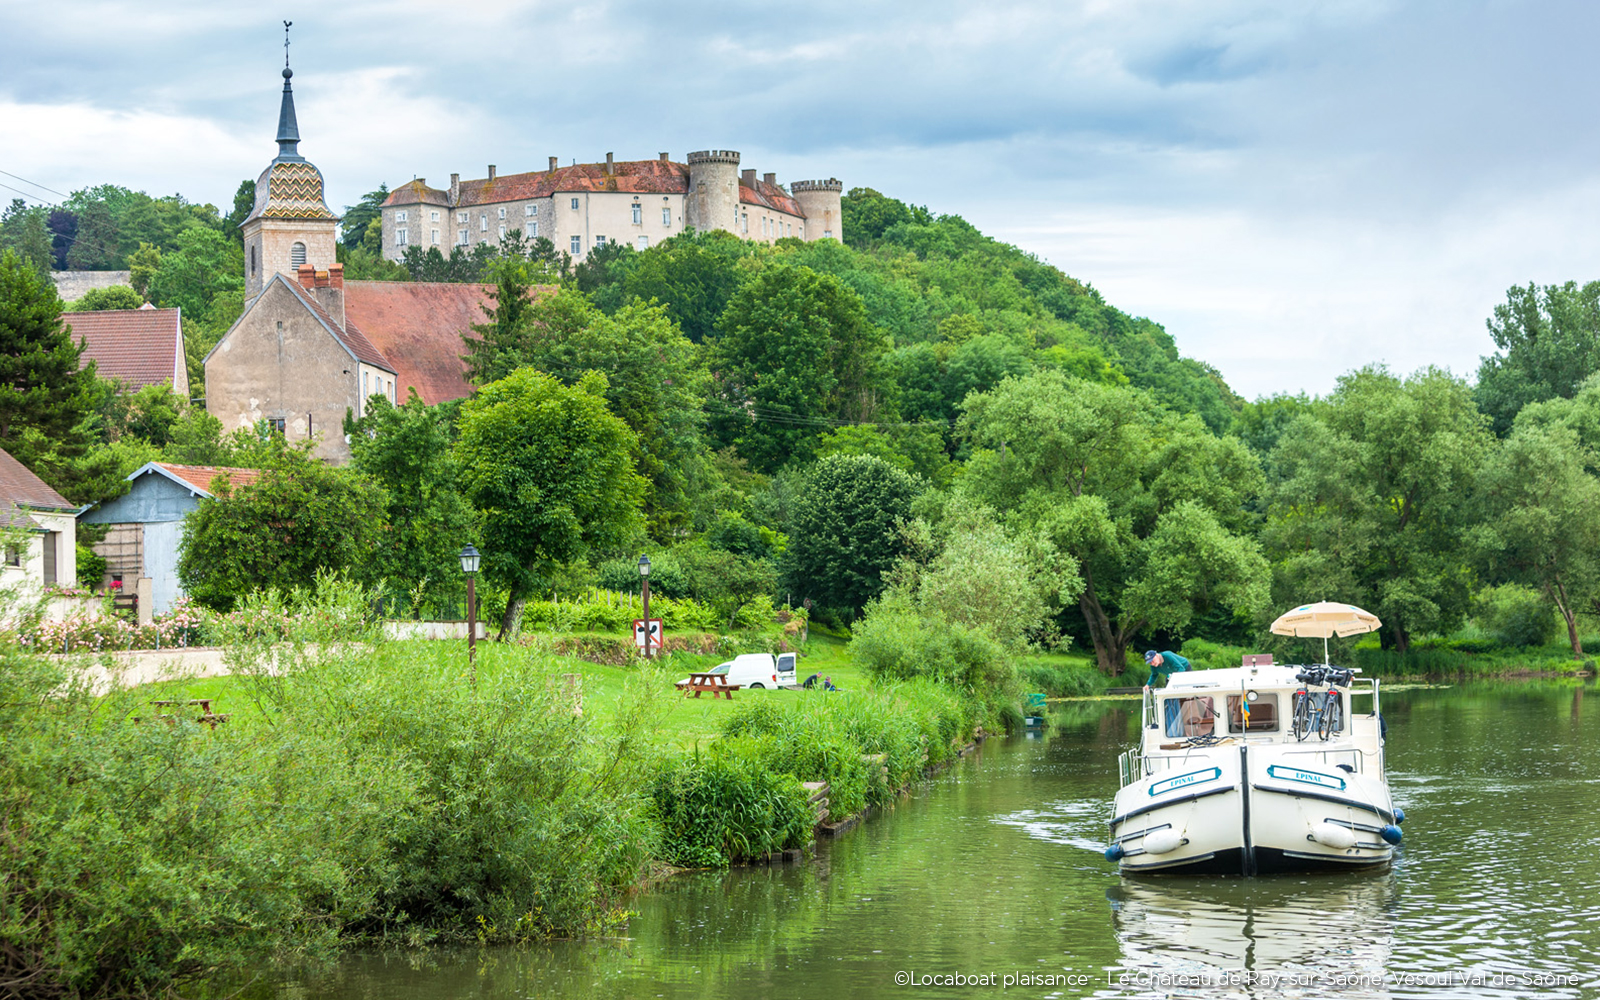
(290, 224)
(713, 201)
(821, 202)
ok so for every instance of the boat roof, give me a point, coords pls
(1277, 675)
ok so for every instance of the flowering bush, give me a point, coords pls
(184, 625)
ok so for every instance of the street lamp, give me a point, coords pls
(469, 566)
(644, 580)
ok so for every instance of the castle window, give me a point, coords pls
(483, 223)
(433, 217)
(399, 237)
(744, 223)
(502, 230)
(577, 244)
(644, 242)
(638, 214)
(502, 212)
(574, 204)
(435, 234)
(666, 216)
(599, 241)
(400, 216)
(297, 253)
(461, 237)
(461, 217)
(533, 230)
(530, 210)
(827, 234)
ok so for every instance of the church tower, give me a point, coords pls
(290, 225)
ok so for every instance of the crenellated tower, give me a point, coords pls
(822, 203)
(290, 225)
(713, 198)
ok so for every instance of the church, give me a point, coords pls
(310, 346)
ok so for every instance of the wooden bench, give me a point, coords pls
(717, 684)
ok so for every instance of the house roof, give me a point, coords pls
(21, 488)
(139, 346)
(199, 477)
(349, 334)
(418, 325)
(628, 177)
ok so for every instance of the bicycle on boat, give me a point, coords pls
(1321, 712)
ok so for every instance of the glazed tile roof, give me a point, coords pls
(290, 191)
(139, 346)
(349, 335)
(629, 177)
(21, 488)
(202, 476)
(418, 326)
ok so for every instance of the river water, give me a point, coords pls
(994, 870)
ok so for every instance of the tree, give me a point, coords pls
(203, 266)
(693, 274)
(95, 245)
(496, 351)
(301, 516)
(1549, 342)
(796, 355)
(23, 231)
(143, 264)
(1148, 502)
(844, 533)
(867, 215)
(548, 466)
(1372, 500)
(1540, 521)
(244, 202)
(110, 297)
(358, 217)
(406, 450)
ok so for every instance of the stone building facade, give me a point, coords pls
(585, 206)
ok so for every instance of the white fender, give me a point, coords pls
(1162, 841)
(1337, 837)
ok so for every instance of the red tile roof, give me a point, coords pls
(417, 192)
(201, 476)
(20, 487)
(770, 196)
(349, 335)
(139, 346)
(418, 325)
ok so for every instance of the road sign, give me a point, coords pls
(655, 633)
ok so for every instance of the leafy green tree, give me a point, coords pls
(1260, 424)
(1373, 500)
(844, 532)
(796, 354)
(867, 215)
(1549, 342)
(143, 264)
(1149, 504)
(300, 517)
(1540, 522)
(363, 263)
(548, 467)
(497, 350)
(358, 218)
(601, 274)
(23, 231)
(693, 274)
(244, 202)
(406, 450)
(110, 297)
(96, 245)
(203, 265)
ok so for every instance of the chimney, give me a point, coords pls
(748, 177)
(335, 275)
(663, 157)
(307, 276)
(327, 288)
(610, 164)
(322, 278)
(771, 179)
(455, 188)
(422, 182)
(491, 171)
(552, 163)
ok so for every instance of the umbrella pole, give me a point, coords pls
(1325, 651)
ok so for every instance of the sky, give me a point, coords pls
(1293, 189)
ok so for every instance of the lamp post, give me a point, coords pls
(469, 566)
(644, 580)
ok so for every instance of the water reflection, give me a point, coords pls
(1285, 937)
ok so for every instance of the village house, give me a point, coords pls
(310, 347)
(137, 347)
(41, 544)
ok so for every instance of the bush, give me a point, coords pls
(726, 805)
(1515, 615)
(1061, 680)
(895, 642)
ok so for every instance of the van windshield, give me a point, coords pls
(720, 668)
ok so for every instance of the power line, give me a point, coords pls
(36, 184)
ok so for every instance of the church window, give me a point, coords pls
(666, 216)
(400, 236)
(297, 253)
(435, 234)
(574, 204)
(577, 244)
(483, 222)
(502, 212)
(638, 214)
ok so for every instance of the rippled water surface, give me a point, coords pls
(995, 870)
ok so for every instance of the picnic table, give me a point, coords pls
(207, 717)
(717, 684)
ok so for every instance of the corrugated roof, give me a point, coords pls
(350, 335)
(21, 487)
(139, 346)
(418, 325)
(202, 476)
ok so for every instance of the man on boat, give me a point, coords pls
(1164, 662)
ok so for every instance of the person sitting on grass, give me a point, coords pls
(1166, 662)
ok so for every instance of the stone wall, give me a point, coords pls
(72, 285)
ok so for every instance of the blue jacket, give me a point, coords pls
(1171, 663)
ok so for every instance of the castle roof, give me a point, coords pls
(627, 177)
(138, 346)
(418, 326)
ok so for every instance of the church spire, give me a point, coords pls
(288, 128)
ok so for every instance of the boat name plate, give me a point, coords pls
(1283, 773)
(1166, 785)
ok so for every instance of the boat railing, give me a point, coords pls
(1353, 756)
(1130, 766)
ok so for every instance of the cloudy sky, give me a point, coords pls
(1292, 188)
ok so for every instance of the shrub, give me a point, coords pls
(725, 805)
(1061, 680)
(1515, 615)
(896, 642)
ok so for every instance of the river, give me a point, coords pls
(994, 870)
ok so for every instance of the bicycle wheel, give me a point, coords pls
(1332, 715)
(1302, 715)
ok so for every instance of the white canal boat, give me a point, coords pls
(1253, 770)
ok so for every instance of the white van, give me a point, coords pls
(758, 670)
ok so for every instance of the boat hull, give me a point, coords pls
(1249, 809)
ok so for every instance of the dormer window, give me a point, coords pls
(297, 255)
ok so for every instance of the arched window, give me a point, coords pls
(297, 255)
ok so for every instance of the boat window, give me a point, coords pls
(1263, 714)
(1189, 716)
